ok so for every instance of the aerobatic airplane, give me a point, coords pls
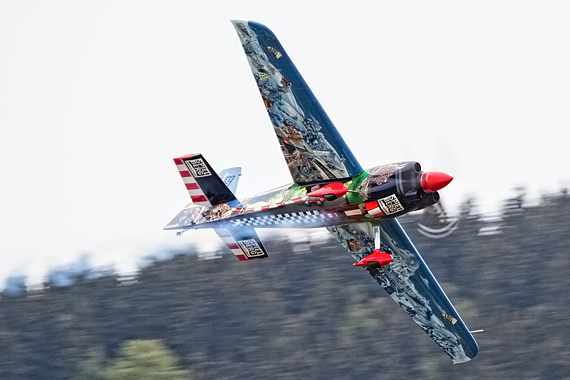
(330, 189)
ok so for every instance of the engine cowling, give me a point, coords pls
(394, 189)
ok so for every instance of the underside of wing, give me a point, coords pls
(243, 242)
(411, 284)
(312, 147)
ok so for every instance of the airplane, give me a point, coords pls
(330, 189)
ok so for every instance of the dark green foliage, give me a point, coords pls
(313, 315)
(144, 360)
(136, 360)
(93, 366)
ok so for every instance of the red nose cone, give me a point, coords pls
(434, 181)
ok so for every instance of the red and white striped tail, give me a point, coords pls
(196, 194)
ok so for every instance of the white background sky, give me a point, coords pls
(97, 97)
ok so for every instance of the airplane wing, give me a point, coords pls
(310, 143)
(410, 283)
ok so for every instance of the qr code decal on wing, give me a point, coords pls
(250, 248)
(390, 205)
(198, 168)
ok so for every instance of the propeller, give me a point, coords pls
(436, 224)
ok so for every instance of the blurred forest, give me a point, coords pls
(304, 312)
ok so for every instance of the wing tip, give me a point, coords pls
(252, 23)
(473, 350)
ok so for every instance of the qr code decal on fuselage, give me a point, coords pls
(250, 248)
(390, 205)
(198, 168)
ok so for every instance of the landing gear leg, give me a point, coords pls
(376, 230)
(376, 259)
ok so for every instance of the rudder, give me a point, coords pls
(204, 185)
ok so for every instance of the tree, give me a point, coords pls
(144, 359)
(92, 368)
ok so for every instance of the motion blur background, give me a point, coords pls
(96, 97)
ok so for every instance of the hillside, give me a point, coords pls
(308, 313)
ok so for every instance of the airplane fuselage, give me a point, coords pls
(382, 192)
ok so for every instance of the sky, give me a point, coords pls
(97, 97)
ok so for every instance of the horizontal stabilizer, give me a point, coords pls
(243, 242)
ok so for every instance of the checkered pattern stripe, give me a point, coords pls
(302, 217)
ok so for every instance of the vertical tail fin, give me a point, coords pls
(204, 186)
(231, 177)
